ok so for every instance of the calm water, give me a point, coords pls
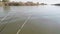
(44, 19)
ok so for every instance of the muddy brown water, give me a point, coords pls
(43, 20)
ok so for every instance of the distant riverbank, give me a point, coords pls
(21, 3)
(57, 4)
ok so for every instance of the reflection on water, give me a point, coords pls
(6, 9)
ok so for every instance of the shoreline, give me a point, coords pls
(20, 4)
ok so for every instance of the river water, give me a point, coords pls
(43, 19)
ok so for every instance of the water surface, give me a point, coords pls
(44, 19)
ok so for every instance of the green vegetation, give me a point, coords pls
(21, 3)
(5, 0)
(28, 3)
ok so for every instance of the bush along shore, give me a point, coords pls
(21, 3)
